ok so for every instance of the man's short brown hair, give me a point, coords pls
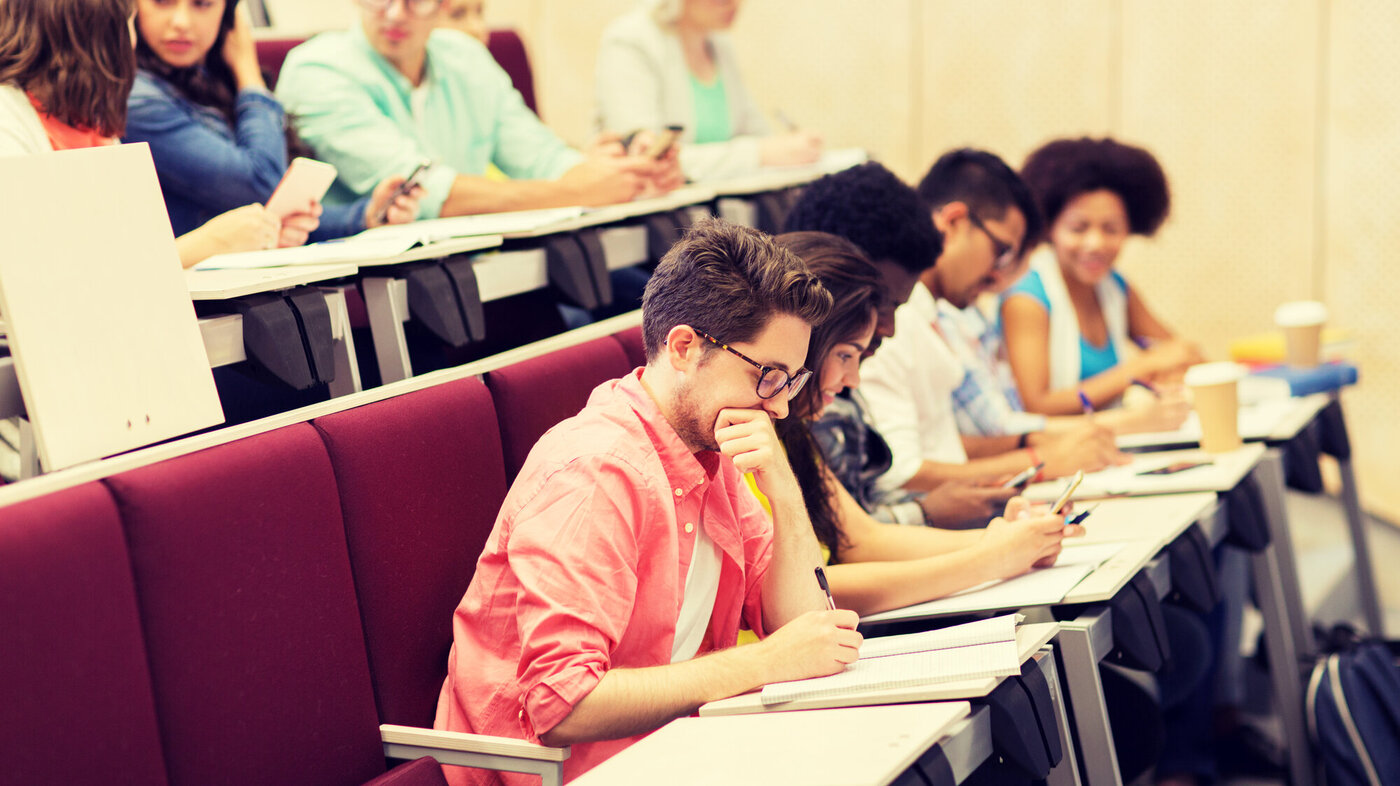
(728, 281)
(74, 56)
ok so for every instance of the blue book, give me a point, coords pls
(1321, 379)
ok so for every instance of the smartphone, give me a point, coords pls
(1024, 476)
(305, 181)
(1172, 469)
(665, 141)
(414, 178)
(1064, 497)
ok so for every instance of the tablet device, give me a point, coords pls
(306, 181)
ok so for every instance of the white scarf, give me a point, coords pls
(1064, 322)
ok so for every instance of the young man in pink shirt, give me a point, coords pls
(629, 551)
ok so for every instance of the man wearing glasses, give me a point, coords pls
(932, 375)
(391, 92)
(630, 551)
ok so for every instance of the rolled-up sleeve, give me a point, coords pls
(574, 553)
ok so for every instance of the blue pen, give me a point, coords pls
(1088, 405)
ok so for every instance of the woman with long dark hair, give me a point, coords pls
(879, 566)
(217, 135)
(66, 68)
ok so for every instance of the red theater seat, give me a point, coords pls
(631, 341)
(243, 580)
(421, 478)
(509, 51)
(533, 395)
(272, 52)
(77, 706)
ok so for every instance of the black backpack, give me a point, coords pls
(1353, 710)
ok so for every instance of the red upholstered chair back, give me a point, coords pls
(533, 395)
(421, 479)
(509, 51)
(77, 706)
(243, 580)
(631, 341)
(272, 52)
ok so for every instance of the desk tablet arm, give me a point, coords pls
(474, 750)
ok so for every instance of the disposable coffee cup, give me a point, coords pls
(1215, 396)
(1302, 322)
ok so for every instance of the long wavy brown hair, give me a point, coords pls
(73, 56)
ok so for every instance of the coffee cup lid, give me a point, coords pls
(1300, 313)
(1214, 373)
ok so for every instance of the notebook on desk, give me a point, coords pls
(986, 648)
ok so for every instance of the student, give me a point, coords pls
(392, 91)
(670, 62)
(467, 16)
(901, 248)
(958, 188)
(66, 68)
(1071, 322)
(629, 550)
(910, 382)
(879, 566)
(216, 133)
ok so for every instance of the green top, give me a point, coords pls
(711, 111)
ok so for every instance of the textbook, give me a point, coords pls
(986, 648)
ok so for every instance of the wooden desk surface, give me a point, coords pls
(608, 214)
(779, 178)
(1029, 640)
(857, 746)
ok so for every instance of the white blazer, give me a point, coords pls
(21, 133)
(643, 82)
(1064, 322)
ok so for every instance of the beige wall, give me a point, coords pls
(1278, 125)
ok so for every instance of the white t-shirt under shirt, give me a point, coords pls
(909, 385)
(701, 588)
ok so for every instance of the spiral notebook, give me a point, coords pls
(986, 648)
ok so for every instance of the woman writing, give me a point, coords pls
(880, 566)
(1072, 324)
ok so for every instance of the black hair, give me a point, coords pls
(1066, 168)
(871, 207)
(856, 293)
(984, 183)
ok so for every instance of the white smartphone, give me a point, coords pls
(306, 181)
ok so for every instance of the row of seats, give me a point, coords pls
(252, 612)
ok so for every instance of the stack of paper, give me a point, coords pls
(986, 648)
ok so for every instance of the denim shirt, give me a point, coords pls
(207, 167)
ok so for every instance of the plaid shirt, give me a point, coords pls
(986, 403)
(857, 455)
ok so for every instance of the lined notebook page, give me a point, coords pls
(986, 648)
(986, 631)
(998, 659)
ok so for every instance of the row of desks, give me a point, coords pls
(940, 733)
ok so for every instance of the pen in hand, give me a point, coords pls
(785, 120)
(1085, 402)
(826, 588)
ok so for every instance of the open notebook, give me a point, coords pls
(986, 648)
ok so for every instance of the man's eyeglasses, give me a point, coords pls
(415, 7)
(1006, 258)
(771, 380)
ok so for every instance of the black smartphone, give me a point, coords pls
(413, 179)
(1180, 466)
(1024, 476)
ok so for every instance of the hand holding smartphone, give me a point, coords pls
(414, 178)
(664, 142)
(305, 181)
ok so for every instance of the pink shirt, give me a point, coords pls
(585, 571)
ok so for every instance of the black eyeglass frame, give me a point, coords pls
(419, 8)
(1006, 256)
(792, 382)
